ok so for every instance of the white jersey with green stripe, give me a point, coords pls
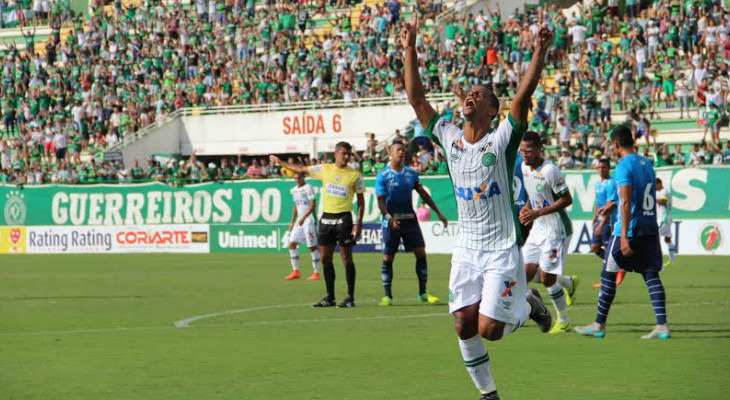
(664, 213)
(544, 186)
(482, 174)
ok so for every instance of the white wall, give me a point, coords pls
(309, 131)
(165, 139)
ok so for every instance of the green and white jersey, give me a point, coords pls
(482, 175)
(664, 213)
(303, 197)
(544, 186)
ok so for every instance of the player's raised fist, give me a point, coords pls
(274, 159)
(409, 32)
(545, 37)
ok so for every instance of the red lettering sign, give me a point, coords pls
(310, 124)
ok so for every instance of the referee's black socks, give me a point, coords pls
(350, 275)
(328, 269)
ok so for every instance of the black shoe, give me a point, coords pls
(490, 396)
(349, 302)
(325, 302)
(539, 313)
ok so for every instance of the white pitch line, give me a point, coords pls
(185, 323)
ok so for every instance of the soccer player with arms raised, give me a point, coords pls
(487, 288)
(340, 184)
(634, 245)
(394, 187)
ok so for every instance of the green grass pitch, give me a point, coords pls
(103, 327)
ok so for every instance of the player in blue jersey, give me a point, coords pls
(605, 213)
(394, 187)
(634, 245)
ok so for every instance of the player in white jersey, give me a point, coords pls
(547, 245)
(302, 228)
(487, 289)
(664, 217)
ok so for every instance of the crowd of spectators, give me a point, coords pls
(122, 67)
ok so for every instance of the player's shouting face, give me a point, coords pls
(480, 104)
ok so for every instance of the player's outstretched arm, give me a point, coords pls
(301, 169)
(520, 106)
(411, 77)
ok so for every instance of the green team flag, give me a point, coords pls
(11, 17)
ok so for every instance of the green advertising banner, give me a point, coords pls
(698, 193)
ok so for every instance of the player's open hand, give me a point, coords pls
(443, 220)
(274, 159)
(409, 32)
(545, 37)
(626, 249)
(394, 223)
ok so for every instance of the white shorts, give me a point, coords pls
(665, 229)
(548, 253)
(494, 279)
(306, 233)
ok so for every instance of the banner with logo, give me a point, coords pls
(690, 237)
(117, 239)
(698, 193)
(238, 212)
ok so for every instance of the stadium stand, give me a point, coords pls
(75, 86)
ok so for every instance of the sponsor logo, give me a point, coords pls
(162, 237)
(51, 240)
(451, 296)
(489, 159)
(540, 187)
(509, 285)
(554, 255)
(711, 237)
(506, 304)
(477, 193)
(455, 156)
(15, 210)
(12, 240)
(240, 240)
(200, 237)
(336, 190)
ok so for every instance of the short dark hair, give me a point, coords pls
(658, 180)
(605, 160)
(492, 98)
(397, 141)
(622, 134)
(532, 137)
(340, 145)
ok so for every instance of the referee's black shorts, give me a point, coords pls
(336, 229)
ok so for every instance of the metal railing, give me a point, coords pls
(270, 107)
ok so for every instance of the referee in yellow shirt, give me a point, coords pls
(339, 184)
